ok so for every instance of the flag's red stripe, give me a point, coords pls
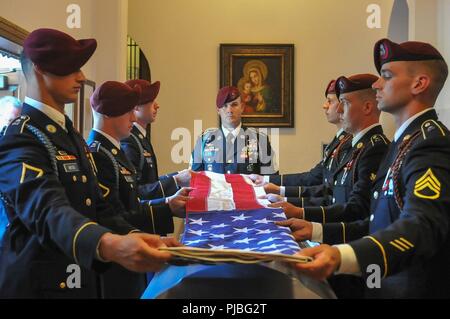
(243, 193)
(199, 196)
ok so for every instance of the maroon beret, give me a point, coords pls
(331, 88)
(226, 95)
(354, 83)
(149, 91)
(56, 52)
(115, 99)
(387, 51)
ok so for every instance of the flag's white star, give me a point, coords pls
(263, 231)
(244, 241)
(199, 221)
(217, 247)
(268, 240)
(242, 230)
(221, 236)
(219, 226)
(197, 232)
(191, 242)
(240, 217)
(281, 215)
(263, 221)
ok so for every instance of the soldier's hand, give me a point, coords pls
(291, 211)
(327, 260)
(273, 198)
(183, 178)
(177, 202)
(137, 252)
(171, 242)
(300, 228)
(258, 180)
(272, 188)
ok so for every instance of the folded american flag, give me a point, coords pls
(227, 222)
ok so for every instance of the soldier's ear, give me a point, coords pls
(420, 84)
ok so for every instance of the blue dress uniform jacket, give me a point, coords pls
(139, 151)
(252, 153)
(409, 228)
(321, 173)
(353, 181)
(117, 179)
(54, 208)
(314, 188)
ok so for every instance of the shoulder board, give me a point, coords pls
(18, 125)
(432, 128)
(379, 138)
(94, 147)
(209, 131)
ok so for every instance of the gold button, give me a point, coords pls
(74, 178)
(84, 179)
(114, 151)
(88, 202)
(141, 136)
(62, 285)
(360, 145)
(51, 128)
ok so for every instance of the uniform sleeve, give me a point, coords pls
(422, 227)
(160, 189)
(341, 233)
(358, 205)
(312, 177)
(160, 218)
(307, 191)
(39, 201)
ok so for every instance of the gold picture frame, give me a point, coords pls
(264, 75)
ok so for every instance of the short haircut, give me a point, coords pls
(437, 69)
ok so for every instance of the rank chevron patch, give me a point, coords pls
(428, 186)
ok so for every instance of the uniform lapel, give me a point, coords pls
(52, 130)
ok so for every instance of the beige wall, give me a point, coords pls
(105, 20)
(181, 40)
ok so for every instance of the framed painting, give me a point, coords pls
(264, 75)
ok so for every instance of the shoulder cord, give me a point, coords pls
(115, 164)
(141, 152)
(404, 148)
(51, 149)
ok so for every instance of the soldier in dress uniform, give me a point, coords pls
(311, 187)
(233, 148)
(139, 149)
(113, 108)
(48, 187)
(353, 177)
(409, 240)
